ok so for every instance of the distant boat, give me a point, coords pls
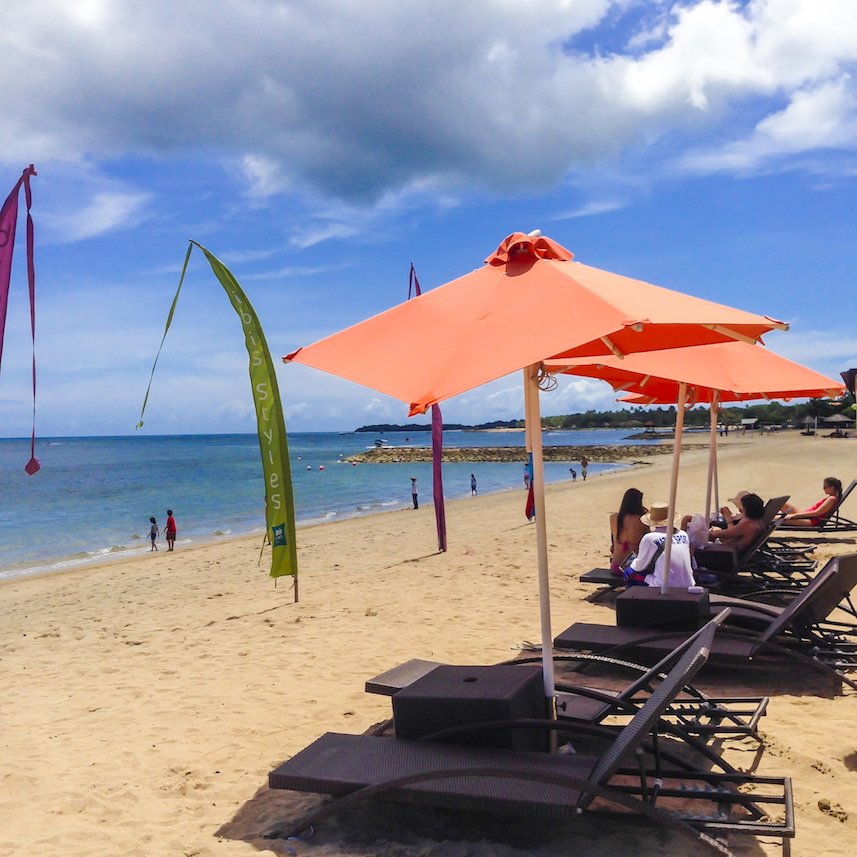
(382, 443)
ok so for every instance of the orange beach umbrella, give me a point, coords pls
(729, 371)
(725, 372)
(529, 302)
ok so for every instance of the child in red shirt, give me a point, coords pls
(170, 531)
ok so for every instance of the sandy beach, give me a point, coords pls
(146, 701)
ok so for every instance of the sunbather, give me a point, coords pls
(744, 528)
(647, 569)
(814, 516)
(628, 529)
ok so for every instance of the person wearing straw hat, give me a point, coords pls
(727, 514)
(726, 517)
(744, 528)
(647, 569)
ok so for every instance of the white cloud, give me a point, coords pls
(822, 118)
(816, 348)
(104, 212)
(265, 175)
(309, 236)
(591, 209)
(352, 101)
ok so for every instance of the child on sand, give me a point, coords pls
(154, 532)
(171, 530)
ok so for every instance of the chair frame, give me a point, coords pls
(338, 765)
(802, 630)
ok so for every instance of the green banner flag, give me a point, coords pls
(273, 443)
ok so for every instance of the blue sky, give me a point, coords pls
(318, 148)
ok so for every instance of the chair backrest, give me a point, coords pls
(772, 507)
(799, 609)
(831, 595)
(632, 735)
(666, 663)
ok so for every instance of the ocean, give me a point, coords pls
(93, 497)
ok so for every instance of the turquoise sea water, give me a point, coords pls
(94, 495)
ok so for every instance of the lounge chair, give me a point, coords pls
(604, 576)
(802, 630)
(763, 563)
(699, 804)
(835, 522)
(817, 619)
(694, 712)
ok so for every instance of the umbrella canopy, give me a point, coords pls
(837, 418)
(528, 302)
(734, 371)
(725, 372)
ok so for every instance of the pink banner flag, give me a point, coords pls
(8, 225)
(436, 443)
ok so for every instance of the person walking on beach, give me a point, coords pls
(170, 530)
(584, 463)
(526, 476)
(154, 532)
(414, 492)
(472, 484)
(573, 473)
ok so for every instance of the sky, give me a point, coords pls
(319, 147)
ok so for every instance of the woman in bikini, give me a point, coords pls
(814, 516)
(627, 529)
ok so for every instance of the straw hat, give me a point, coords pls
(736, 500)
(658, 516)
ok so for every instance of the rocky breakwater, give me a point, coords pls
(637, 453)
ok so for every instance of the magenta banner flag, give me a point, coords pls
(8, 226)
(436, 455)
(436, 442)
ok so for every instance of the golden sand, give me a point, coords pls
(144, 702)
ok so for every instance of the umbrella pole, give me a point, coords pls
(533, 420)
(679, 428)
(712, 458)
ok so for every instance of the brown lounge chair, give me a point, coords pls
(693, 711)
(618, 782)
(802, 630)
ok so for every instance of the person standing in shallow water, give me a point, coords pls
(472, 484)
(584, 463)
(154, 532)
(171, 530)
(414, 492)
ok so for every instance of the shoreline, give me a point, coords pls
(120, 554)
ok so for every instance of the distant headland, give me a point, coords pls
(382, 428)
(646, 418)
